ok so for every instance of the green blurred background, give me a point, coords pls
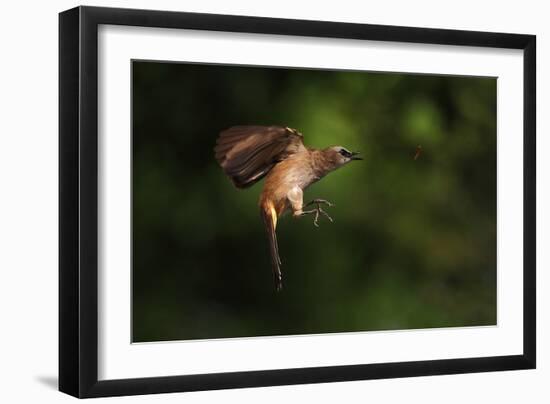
(413, 243)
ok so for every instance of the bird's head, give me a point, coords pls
(338, 156)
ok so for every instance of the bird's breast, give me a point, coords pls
(297, 172)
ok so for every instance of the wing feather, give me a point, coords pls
(247, 153)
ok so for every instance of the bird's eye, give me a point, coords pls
(345, 153)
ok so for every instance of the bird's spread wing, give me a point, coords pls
(247, 153)
(270, 221)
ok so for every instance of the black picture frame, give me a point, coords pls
(78, 201)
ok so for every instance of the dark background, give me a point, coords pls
(413, 244)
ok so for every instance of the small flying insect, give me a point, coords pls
(418, 152)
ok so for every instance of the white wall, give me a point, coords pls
(28, 199)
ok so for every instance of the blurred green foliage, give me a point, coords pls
(413, 244)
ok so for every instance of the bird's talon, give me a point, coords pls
(317, 211)
(320, 201)
(325, 214)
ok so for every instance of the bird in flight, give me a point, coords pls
(249, 153)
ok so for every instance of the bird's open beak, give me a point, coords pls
(354, 156)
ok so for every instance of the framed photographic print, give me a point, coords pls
(251, 201)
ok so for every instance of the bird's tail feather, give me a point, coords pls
(269, 215)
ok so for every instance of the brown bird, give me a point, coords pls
(249, 153)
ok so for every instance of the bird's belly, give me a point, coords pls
(283, 178)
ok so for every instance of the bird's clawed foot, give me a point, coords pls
(318, 210)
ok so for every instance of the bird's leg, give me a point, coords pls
(295, 197)
(318, 210)
(307, 212)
